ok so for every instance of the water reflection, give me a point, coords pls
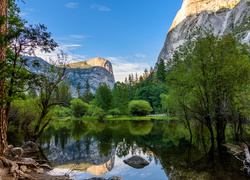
(98, 148)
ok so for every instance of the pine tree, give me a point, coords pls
(87, 95)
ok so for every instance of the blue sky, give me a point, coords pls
(129, 33)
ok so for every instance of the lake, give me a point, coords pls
(87, 149)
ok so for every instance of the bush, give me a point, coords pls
(139, 108)
(114, 112)
(99, 112)
(61, 111)
(78, 107)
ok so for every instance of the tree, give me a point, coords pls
(78, 89)
(120, 94)
(3, 119)
(206, 76)
(79, 107)
(87, 95)
(103, 97)
(139, 108)
(114, 112)
(47, 85)
(161, 71)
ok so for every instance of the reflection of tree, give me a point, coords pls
(79, 129)
(140, 128)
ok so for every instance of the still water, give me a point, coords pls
(97, 149)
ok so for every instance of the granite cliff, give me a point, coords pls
(96, 70)
(223, 16)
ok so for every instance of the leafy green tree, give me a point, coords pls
(79, 107)
(206, 75)
(99, 112)
(103, 97)
(87, 94)
(120, 94)
(64, 93)
(114, 112)
(140, 108)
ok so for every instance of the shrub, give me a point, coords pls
(99, 112)
(114, 112)
(61, 111)
(139, 108)
(78, 107)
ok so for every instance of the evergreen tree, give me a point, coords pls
(87, 95)
(78, 89)
(103, 97)
(161, 72)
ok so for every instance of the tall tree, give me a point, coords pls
(103, 97)
(161, 71)
(3, 119)
(87, 94)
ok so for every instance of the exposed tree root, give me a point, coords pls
(14, 169)
(246, 162)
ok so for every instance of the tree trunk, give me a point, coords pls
(3, 119)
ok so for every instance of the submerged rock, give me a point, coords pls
(115, 178)
(96, 178)
(136, 162)
(14, 154)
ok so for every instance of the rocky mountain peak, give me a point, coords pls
(190, 7)
(100, 62)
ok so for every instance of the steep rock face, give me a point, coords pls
(95, 70)
(223, 16)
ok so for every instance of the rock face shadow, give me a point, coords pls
(136, 162)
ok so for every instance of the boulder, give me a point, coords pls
(30, 148)
(23, 168)
(115, 178)
(96, 178)
(14, 154)
(136, 162)
(40, 170)
(28, 160)
(46, 166)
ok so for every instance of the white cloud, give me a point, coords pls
(71, 5)
(140, 55)
(100, 7)
(66, 49)
(78, 36)
(123, 68)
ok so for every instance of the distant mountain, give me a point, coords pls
(96, 70)
(224, 16)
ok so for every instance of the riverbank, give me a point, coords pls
(120, 118)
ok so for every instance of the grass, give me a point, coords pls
(121, 118)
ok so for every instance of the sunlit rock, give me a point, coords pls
(223, 16)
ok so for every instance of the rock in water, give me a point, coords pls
(115, 178)
(14, 154)
(30, 148)
(136, 162)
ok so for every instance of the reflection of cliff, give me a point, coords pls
(75, 155)
(91, 168)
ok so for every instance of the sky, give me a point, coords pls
(128, 33)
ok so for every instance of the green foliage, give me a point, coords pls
(206, 77)
(99, 112)
(120, 94)
(103, 97)
(161, 72)
(114, 112)
(79, 108)
(61, 111)
(140, 108)
(63, 93)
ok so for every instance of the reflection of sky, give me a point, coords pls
(150, 172)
